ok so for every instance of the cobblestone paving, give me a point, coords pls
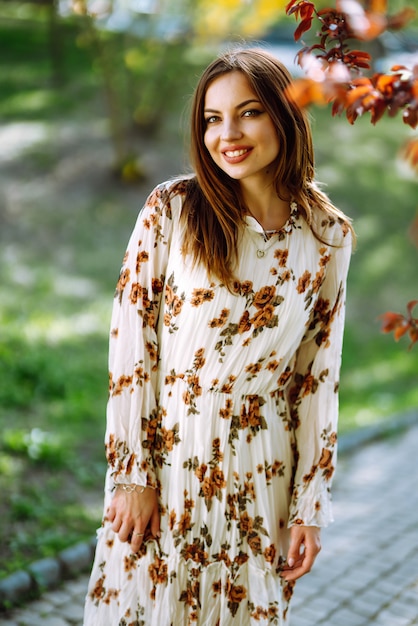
(367, 572)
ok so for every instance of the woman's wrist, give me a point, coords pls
(131, 488)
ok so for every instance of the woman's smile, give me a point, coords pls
(236, 155)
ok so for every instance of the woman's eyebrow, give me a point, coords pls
(239, 106)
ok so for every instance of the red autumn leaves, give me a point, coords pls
(334, 72)
(400, 324)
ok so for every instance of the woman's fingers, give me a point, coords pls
(155, 522)
(131, 513)
(304, 547)
(137, 539)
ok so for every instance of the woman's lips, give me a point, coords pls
(236, 155)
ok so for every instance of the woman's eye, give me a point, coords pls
(252, 113)
(212, 119)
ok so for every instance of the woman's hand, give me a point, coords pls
(305, 544)
(132, 512)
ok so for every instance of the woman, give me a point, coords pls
(224, 362)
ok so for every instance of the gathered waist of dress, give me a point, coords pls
(239, 387)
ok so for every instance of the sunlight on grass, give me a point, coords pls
(27, 102)
(15, 138)
(56, 328)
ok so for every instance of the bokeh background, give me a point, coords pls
(93, 113)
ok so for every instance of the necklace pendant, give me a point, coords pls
(260, 254)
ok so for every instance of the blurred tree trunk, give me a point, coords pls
(55, 44)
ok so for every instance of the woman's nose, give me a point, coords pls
(230, 130)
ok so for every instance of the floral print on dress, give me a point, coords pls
(226, 402)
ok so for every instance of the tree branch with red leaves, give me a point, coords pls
(400, 324)
(334, 71)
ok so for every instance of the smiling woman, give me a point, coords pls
(224, 362)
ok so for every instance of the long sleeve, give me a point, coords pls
(313, 393)
(133, 350)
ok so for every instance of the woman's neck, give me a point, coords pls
(270, 211)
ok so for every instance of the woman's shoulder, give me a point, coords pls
(169, 192)
(332, 226)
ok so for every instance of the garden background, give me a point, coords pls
(90, 120)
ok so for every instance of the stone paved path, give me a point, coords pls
(367, 572)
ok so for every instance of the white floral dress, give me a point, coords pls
(226, 403)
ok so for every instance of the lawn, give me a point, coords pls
(64, 223)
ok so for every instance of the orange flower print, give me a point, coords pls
(135, 293)
(193, 382)
(218, 322)
(235, 595)
(217, 478)
(253, 368)
(285, 276)
(185, 523)
(303, 282)
(98, 590)
(122, 282)
(195, 552)
(263, 316)
(324, 260)
(223, 557)
(169, 295)
(270, 553)
(226, 412)
(122, 382)
(208, 488)
(284, 377)
(201, 295)
(244, 324)
(177, 306)
(281, 255)
(217, 587)
(142, 257)
(168, 439)
(272, 366)
(310, 384)
(264, 296)
(254, 542)
(158, 571)
(317, 281)
(325, 463)
(201, 471)
(322, 308)
(152, 351)
(245, 523)
(157, 285)
(199, 359)
(246, 287)
(288, 590)
(228, 387)
(172, 519)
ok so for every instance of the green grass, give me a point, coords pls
(60, 249)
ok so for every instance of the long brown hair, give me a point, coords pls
(213, 209)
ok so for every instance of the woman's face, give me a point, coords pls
(240, 135)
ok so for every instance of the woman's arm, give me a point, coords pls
(313, 394)
(132, 412)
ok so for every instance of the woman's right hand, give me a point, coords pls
(132, 512)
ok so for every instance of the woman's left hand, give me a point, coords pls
(305, 545)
